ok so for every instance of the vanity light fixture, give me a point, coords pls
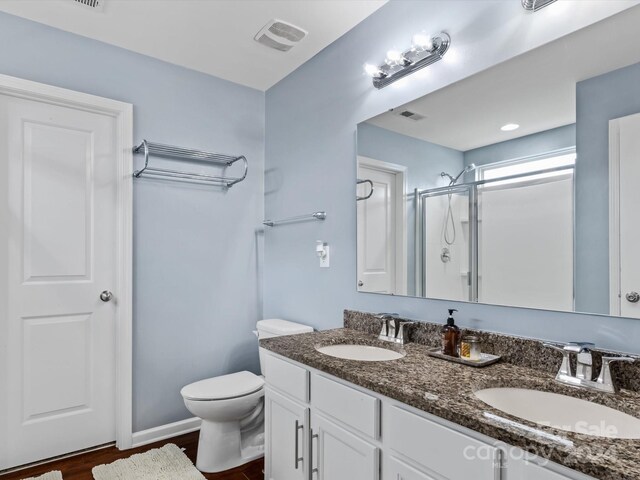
(424, 51)
(535, 5)
(509, 127)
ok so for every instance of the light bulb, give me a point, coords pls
(394, 57)
(509, 127)
(372, 70)
(422, 42)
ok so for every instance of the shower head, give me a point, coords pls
(454, 180)
(445, 174)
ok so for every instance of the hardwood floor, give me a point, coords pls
(79, 467)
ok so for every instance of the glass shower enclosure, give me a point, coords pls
(506, 241)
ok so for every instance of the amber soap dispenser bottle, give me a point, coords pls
(450, 336)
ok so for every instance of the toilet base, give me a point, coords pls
(221, 448)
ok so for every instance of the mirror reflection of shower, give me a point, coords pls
(449, 226)
(454, 180)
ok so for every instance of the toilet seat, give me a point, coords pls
(225, 387)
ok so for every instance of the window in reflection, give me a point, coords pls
(526, 165)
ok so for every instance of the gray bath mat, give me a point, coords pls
(166, 463)
(55, 475)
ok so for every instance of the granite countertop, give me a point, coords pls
(446, 389)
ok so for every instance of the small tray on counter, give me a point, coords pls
(485, 358)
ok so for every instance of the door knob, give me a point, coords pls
(360, 283)
(632, 297)
(106, 295)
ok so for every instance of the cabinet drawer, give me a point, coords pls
(287, 377)
(351, 407)
(440, 449)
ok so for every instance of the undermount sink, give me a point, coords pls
(562, 412)
(363, 353)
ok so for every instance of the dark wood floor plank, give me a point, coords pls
(79, 467)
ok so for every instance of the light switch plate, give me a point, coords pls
(324, 262)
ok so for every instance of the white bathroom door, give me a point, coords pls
(60, 239)
(624, 207)
(381, 234)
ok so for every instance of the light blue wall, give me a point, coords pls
(310, 163)
(529, 145)
(424, 162)
(197, 275)
(599, 99)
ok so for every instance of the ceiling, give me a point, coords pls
(210, 36)
(535, 90)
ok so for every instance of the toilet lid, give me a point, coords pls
(223, 387)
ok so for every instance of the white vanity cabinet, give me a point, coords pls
(286, 438)
(287, 428)
(337, 454)
(319, 427)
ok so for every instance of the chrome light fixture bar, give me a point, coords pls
(424, 51)
(535, 5)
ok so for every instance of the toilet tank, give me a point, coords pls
(276, 327)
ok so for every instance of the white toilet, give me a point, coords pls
(231, 409)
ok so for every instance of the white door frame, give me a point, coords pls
(400, 174)
(614, 217)
(122, 113)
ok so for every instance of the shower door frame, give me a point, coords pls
(421, 232)
(472, 188)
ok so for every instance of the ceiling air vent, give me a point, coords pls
(411, 115)
(280, 35)
(96, 5)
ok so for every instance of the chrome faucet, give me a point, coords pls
(584, 358)
(393, 329)
(583, 376)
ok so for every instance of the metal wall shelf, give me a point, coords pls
(168, 151)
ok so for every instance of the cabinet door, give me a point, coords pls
(339, 455)
(286, 438)
(394, 469)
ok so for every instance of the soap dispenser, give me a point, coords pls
(450, 336)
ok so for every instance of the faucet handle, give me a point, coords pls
(388, 330)
(584, 360)
(605, 377)
(401, 333)
(618, 359)
(607, 361)
(556, 346)
(565, 367)
(579, 347)
(392, 329)
(385, 328)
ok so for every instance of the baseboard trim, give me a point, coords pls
(163, 432)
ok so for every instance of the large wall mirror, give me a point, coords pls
(518, 186)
